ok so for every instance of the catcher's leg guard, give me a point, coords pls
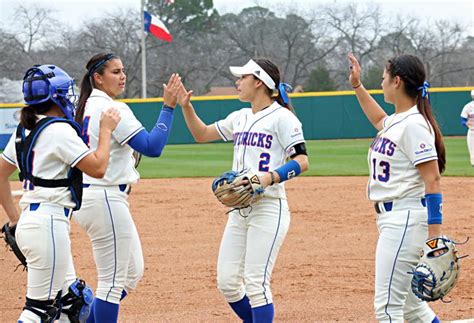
(48, 310)
(77, 302)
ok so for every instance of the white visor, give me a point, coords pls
(254, 69)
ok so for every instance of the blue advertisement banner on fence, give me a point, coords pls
(9, 119)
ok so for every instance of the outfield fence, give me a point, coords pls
(325, 115)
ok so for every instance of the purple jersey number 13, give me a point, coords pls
(385, 174)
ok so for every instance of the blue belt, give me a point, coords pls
(122, 187)
(35, 206)
(388, 206)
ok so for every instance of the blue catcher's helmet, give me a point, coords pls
(49, 82)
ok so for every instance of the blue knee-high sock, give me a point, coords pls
(242, 309)
(105, 312)
(436, 320)
(263, 314)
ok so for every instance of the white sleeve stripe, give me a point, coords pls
(11, 161)
(425, 159)
(131, 135)
(294, 143)
(220, 132)
(80, 157)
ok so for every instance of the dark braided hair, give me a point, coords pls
(412, 71)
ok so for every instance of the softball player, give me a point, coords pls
(405, 160)
(105, 214)
(467, 120)
(265, 136)
(42, 231)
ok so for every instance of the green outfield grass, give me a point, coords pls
(327, 158)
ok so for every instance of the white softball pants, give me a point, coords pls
(106, 218)
(43, 237)
(249, 249)
(470, 144)
(402, 235)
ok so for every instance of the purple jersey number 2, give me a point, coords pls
(264, 161)
(385, 174)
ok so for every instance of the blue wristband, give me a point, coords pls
(434, 204)
(289, 170)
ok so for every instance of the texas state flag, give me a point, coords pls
(156, 27)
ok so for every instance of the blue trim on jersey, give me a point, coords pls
(8, 159)
(416, 162)
(220, 131)
(54, 258)
(394, 264)
(79, 157)
(238, 146)
(115, 245)
(370, 175)
(401, 120)
(253, 124)
(131, 135)
(270, 254)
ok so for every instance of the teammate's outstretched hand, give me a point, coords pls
(109, 119)
(170, 93)
(184, 96)
(354, 76)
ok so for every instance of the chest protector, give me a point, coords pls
(24, 155)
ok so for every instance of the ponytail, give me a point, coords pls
(29, 113)
(424, 107)
(282, 98)
(412, 71)
(86, 90)
(28, 117)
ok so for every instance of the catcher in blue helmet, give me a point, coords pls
(50, 155)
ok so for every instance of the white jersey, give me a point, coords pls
(405, 141)
(468, 113)
(262, 141)
(57, 149)
(121, 168)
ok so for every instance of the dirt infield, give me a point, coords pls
(324, 273)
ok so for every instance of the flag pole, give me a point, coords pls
(143, 50)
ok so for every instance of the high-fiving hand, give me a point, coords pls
(354, 76)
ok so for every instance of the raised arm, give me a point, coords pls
(371, 108)
(200, 131)
(152, 143)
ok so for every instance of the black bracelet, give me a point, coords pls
(273, 178)
(355, 87)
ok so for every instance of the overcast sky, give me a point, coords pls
(77, 11)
